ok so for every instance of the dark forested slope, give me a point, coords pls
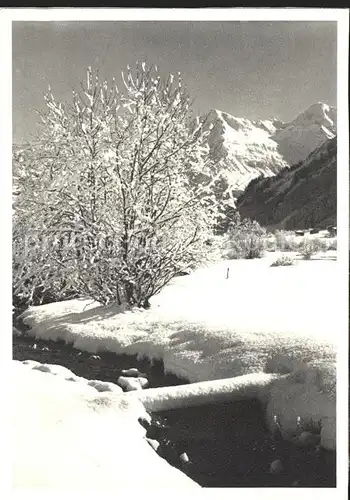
(299, 197)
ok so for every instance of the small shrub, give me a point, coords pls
(308, 247)
(320, 245)
(270, 246)
(283, 260)
(332, 245)
(246, 239)
(286, 241)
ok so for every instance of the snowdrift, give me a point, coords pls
(70, 436)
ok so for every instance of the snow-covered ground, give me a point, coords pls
(69, 436)
(206, 327)
(257, 304)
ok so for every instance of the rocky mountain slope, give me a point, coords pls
(299, 197)
(245, 149)
(297, 139)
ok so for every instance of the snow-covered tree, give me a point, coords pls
(114, 198)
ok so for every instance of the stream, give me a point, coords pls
(217, 445)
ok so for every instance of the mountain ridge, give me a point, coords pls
(245, 149)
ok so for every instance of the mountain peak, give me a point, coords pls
(298, 138)
(318, 114)
(245, 149)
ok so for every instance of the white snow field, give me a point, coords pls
(261, 320)
(69, 436)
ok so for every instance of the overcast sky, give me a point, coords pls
(248, 69)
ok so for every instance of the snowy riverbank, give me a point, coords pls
(204, 327)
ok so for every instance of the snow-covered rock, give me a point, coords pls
(132, 383)
(153, 443)
(133, 372)
(94, 357)
(184, 458)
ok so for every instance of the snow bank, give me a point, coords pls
(70, 437)
(205, 327)
(309, 395)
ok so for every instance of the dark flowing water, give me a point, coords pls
(228, 445)
(105, 366)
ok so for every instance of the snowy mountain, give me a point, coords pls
(297, 139)
(300, 197)
(245, 149)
